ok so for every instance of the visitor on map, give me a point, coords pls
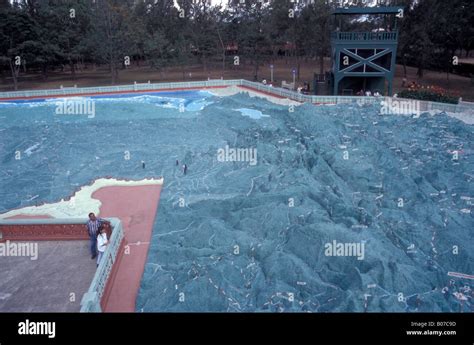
(404, 82)
(177, 162)
(306, 88)
(185, 169)
(102, 243)
(264, 82)
(93, 225)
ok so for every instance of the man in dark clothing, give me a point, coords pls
(93, 225)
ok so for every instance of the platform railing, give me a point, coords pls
(91, 300)
(365, 36)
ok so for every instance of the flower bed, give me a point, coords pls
(429, 93)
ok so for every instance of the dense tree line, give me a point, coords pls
(42, 35)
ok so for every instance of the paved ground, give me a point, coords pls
(55, 282)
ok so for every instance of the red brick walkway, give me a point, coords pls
(136, 207)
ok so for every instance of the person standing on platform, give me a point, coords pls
(185, 169)
(102, 243)
(93, 225)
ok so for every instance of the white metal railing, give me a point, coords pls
(364, 36)
(296, 96)
(462, 107)
(119, 88)
(91, 300)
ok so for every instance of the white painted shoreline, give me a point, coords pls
(233, 90)
(81, 203)
(467, 118)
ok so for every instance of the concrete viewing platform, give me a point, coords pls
(54, 282)
(63, 271)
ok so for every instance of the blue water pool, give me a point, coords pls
(235, 236)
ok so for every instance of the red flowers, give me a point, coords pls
(432, 93)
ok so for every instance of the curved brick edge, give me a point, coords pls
(90, 183)
(137, 207)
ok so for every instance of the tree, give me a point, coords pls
(167, 38)
(316, 19)
(416, 41)
(15, 27)
(74, 19)
(110, 34)
(451, 23)
(252, 37)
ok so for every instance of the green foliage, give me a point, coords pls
(179, 32)
(433, 30)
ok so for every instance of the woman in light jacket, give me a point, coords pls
(102, 243)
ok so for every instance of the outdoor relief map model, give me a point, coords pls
(257, 156)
